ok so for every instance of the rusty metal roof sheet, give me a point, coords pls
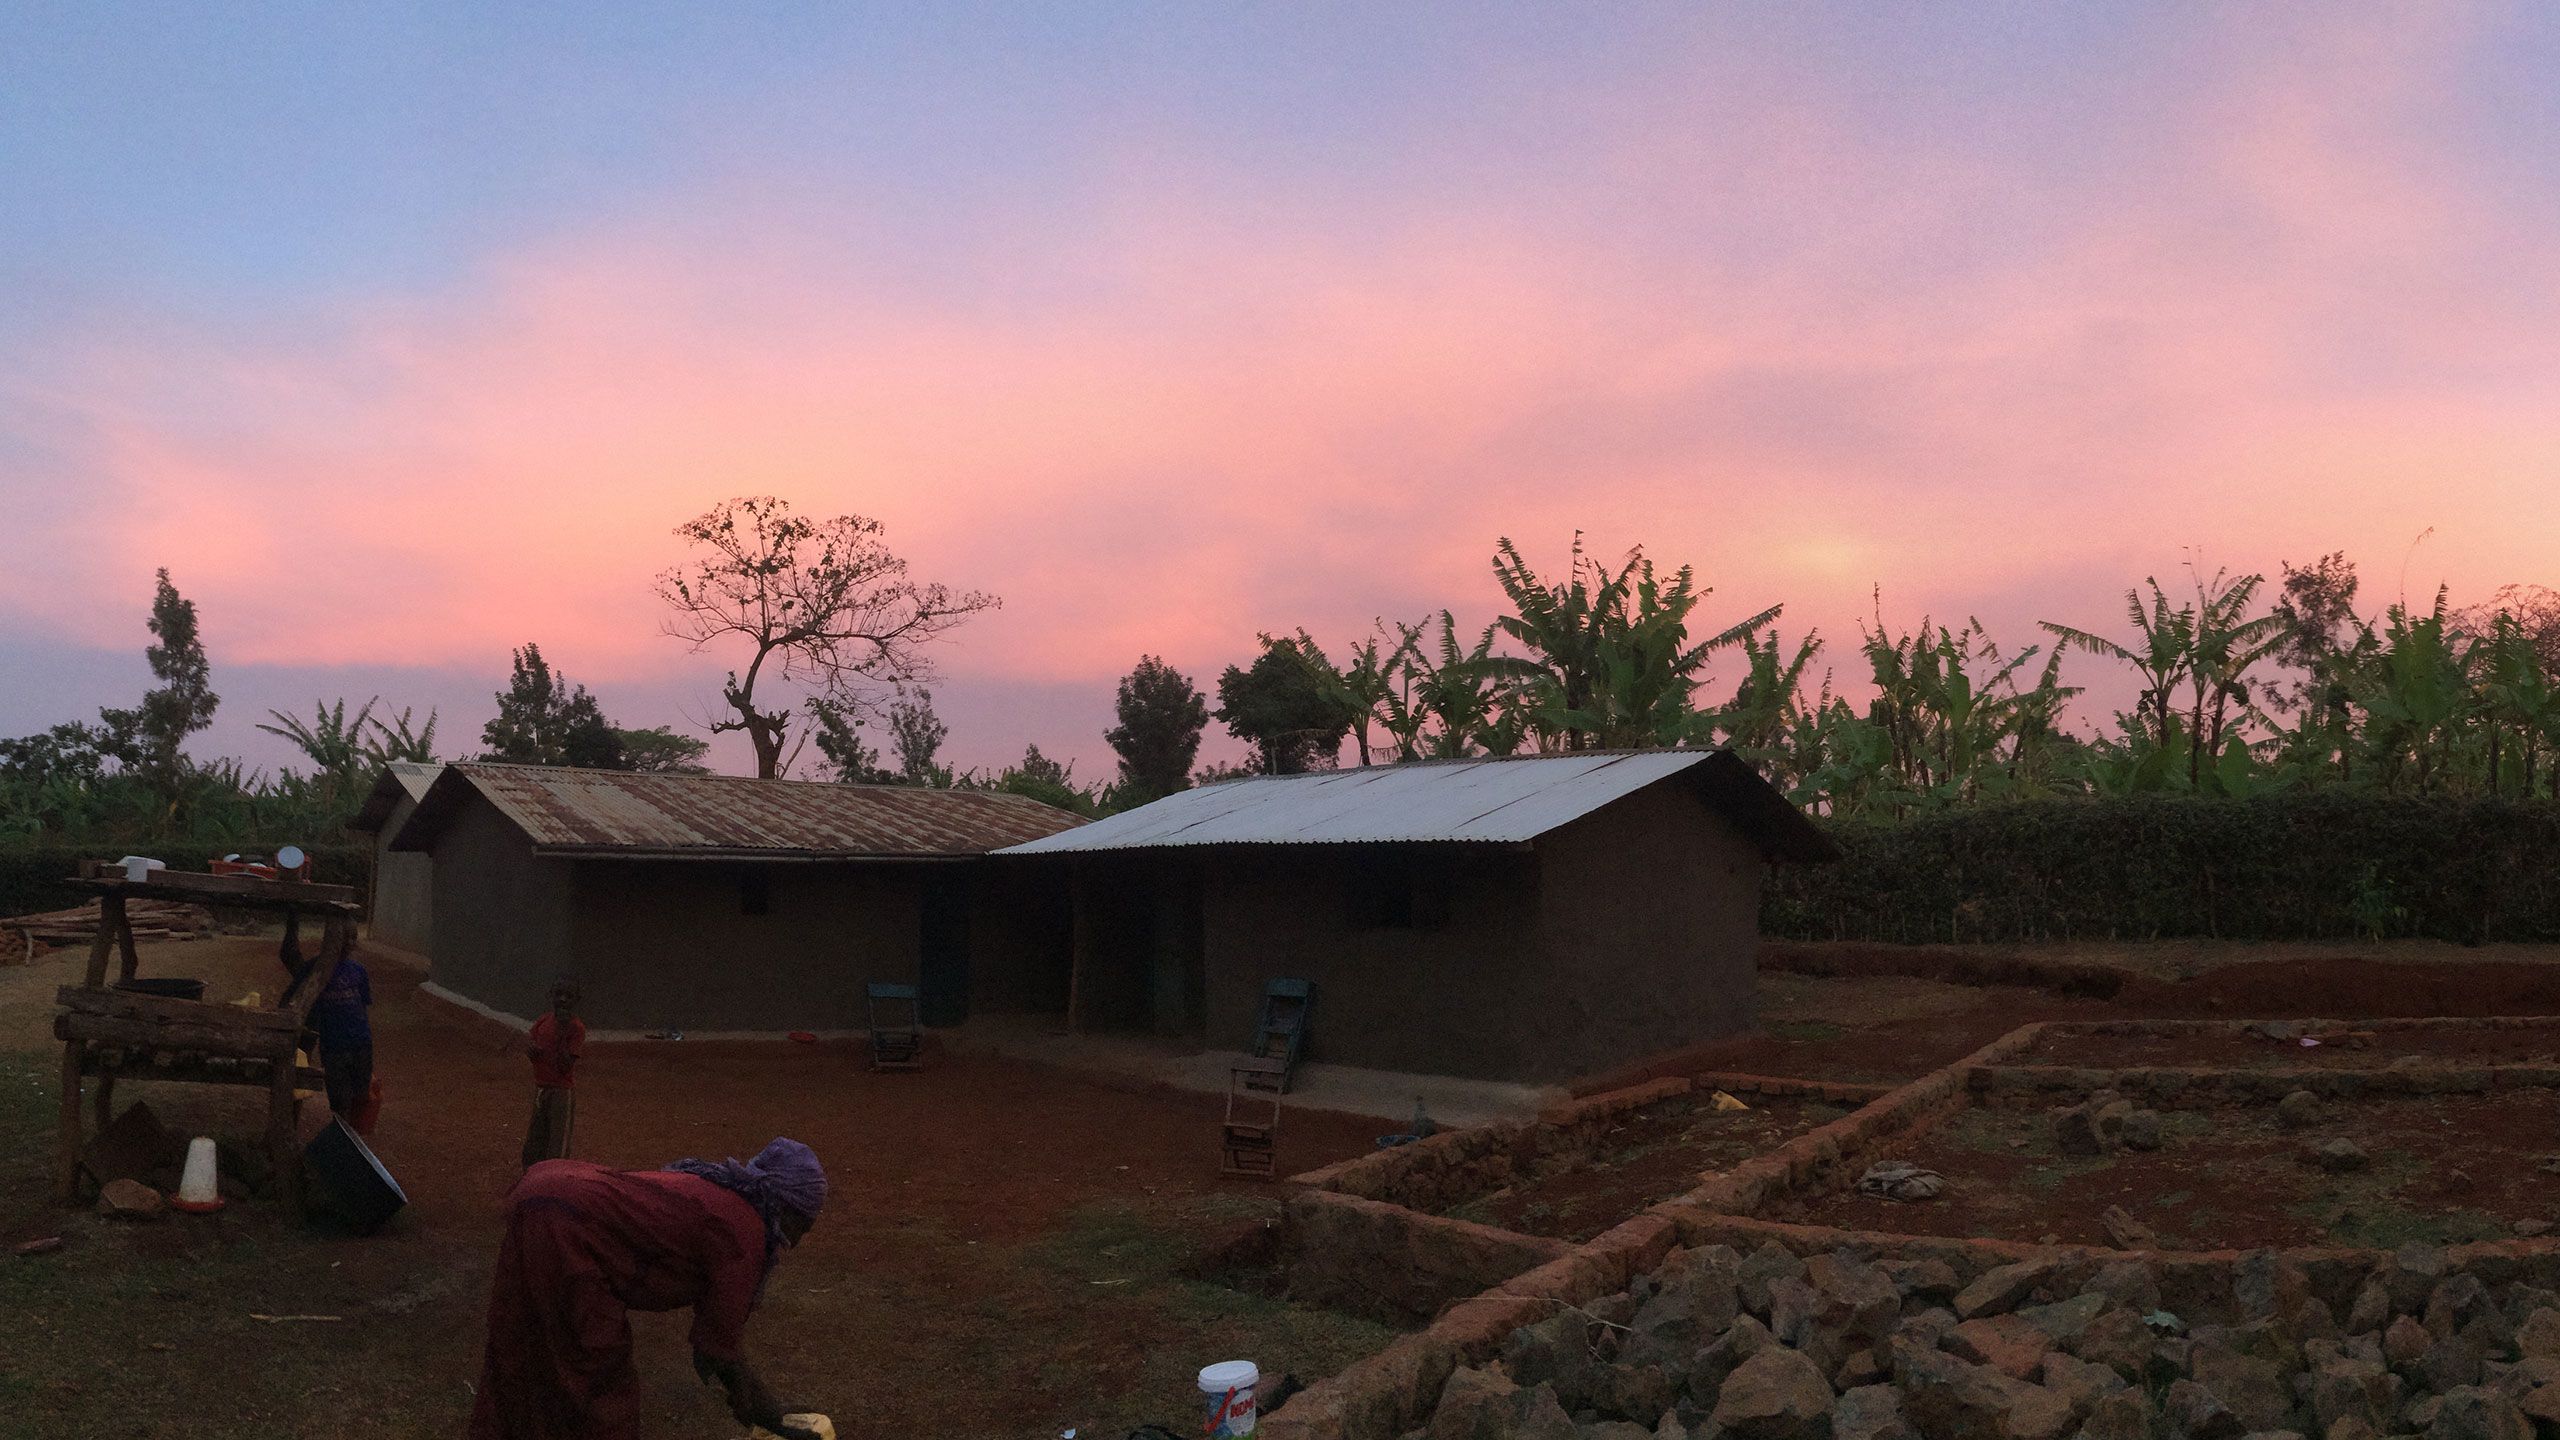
(1495, 801)
(610, 813)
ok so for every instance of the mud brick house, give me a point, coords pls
(717, 903)
(399, 907)
(1519, 919)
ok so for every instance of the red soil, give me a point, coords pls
(2344, 1048)
(1652, 1154)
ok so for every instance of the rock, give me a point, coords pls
(1614, 1430)
(2075, 1130)
(2541, 1409)
(1558, 1347)
(1869, 1412)
(2455, 1301)
(2415, 1269)
(1537, 1415)
(2520, 1301)
(2299, 1110)
(43, 1245)
(2253, 1389)
(2470, 1413)
(130, 1200)
(1862, 1367)
(2268, 1286)
(2009, 1344)
(2343, 1389)
(2078, 1381)
(2339, 1156)
(2532, 1229)
(1699, 1297)
(2539, 1335)
(1474, 1405)
(1725, 1354)
(1947, 1396)
(2142, 1130)
(2351, 1428)
(2128, 1283)
(1855, 1298)
(2405, 1342)
(1998, 1290)
(1772, 1261)
(2124, 1415)
(2118, 1340)
(2198, 1414)
(2371, 1310)
(1924, 1282)
(2064, 1320)
(2126, 1233)
(1630, 1392)
(2450, 1364)
(1795, 1318)
(1777, 1394)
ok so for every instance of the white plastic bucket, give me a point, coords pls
(198, 1190)
(138, 868)
(1227, 1387)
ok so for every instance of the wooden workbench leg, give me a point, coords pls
(110, 920)
(282, 1133)
(66, 1169)
(106, 1100)
(131, 962)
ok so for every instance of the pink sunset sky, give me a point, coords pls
(1170, 326)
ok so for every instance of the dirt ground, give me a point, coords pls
(1653, 1154)
(2445, 1169)
(2345, 1048)
(1002, 1253)
(1007, 1253)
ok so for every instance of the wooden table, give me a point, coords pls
(116, 1034)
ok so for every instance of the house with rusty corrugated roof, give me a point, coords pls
(720, 903)
(1528, 919)
(399, 900)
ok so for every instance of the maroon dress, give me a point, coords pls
(586, 1245)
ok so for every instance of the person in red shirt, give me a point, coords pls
(555, 1043)
(586, 1245)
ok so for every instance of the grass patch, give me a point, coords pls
(1993, 1132)
(2051, 1175)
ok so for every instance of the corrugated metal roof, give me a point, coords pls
(400, 780)
(1488, 801)
(618, 812)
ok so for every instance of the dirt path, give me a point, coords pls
(999, 1255)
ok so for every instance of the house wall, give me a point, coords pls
(1442, 999)
(666, 943)
(1021, 938)
(403, 901)
(500, 915)
(1649, 934)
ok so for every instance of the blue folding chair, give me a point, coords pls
(896, 1044)
(1280, 1036)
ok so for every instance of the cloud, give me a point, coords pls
(2289, 313)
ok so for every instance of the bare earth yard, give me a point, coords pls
(1008, 1250)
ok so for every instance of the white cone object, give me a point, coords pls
(198, 1190)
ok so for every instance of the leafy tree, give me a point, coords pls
(1290, 706)
(395, 740)
(661, 751)
(332, 742)
(544, 720)
(1158, 737)
(2316, 605)
(821, 603)
(147, 738)
(916, 735)
(1045, 780)
(837, 732)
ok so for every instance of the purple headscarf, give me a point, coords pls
(784, 1176)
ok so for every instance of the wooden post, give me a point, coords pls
(66, 1171)
(106, 1099)
(110, 920)
(283, 1130)
(124, 940)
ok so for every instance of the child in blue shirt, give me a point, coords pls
(342, 1032)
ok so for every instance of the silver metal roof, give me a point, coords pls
(1487, 801)
(400, 780)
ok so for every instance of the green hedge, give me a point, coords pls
(31, 876)
(2310, 865)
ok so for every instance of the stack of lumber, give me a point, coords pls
(22, 937)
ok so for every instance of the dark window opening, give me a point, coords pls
(755, 892)
(1398, 892)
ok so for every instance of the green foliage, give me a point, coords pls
(848, 758)
(916, 734)
(542, 719)
(1158, 737)
(2312, 863)
(1043, 779)
(1292, 706)
(147, 739)
(661, 751)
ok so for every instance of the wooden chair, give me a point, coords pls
(1250, 1137)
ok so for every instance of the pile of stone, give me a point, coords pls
(2103, 1124)
(1768, 1346)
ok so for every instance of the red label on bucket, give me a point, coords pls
(1232, 1415)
